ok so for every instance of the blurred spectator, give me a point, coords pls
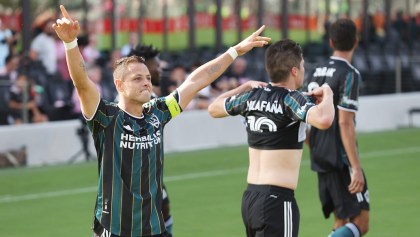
(4, 99)
(379, 23)
(43, 48)
(6, 38)
(414, 28)
(17, 104)
(177, 75)
(9, 70)
(61, 61)
(89, 51)
(401, 26)
(132, 42)
(107, 63)
(238, 72)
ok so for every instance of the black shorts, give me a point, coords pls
(335, 196)
(100, 231)
(270, 211)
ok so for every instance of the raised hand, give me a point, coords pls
(66, 29)
(254, 40)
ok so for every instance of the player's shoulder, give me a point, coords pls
(343, 65)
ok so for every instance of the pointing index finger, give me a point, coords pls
(64, 12)
(258, 32)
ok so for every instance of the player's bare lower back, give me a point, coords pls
(274, 167)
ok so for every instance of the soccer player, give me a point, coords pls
(128, 135)
(334, 155)
(276, 115)
(152, 61)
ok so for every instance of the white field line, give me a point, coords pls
(34, 196)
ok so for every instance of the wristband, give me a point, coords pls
(70, 45)
(232, 52)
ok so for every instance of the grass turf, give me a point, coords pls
(205, 188)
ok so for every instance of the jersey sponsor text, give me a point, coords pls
(144, 142)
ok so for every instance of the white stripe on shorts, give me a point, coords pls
(288, 223)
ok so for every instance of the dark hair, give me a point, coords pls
(343, 34)
(145, 51)
(281, 57)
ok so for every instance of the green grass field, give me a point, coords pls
(205, 188)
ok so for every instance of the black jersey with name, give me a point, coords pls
(130, 162)
(275, 116)
(327, 150)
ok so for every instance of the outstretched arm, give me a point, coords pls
(207, 73)
(67, 30)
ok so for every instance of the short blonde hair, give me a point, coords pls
(121, 65)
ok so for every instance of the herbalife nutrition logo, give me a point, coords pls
(144, 142)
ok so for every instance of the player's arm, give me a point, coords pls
(348, 138)
(217, 108)
(210, 71)
(67, 30)
(321, 116)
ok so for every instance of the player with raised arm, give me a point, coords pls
(128, 135)
(153, 63)
(276, 115)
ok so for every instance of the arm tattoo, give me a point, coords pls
(213, 69)
(83, 66)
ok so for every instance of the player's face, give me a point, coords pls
(136, 85)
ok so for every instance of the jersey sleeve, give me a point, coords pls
(102, 117)
(166, 107)
(172, 102)
(297, 105)
(349, 92)
(236, 104)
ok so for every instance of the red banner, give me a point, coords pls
(204, 20)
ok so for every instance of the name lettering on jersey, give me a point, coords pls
(130, 141)
(324, 72)
(264, 106)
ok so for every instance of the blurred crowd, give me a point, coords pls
(36, 86)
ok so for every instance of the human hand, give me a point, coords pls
(357, 181)
(66, 29)
(252, 41)
(320, 93)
